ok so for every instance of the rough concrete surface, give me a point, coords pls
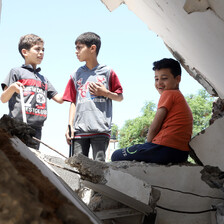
(27, 196)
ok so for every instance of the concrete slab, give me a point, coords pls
(181, 187)
(54, 179)
(115, 184)
(119, 196)
(208, 145)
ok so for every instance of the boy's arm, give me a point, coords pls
(70, 122)
(58, 98)
(98, 89)
(9, 91)
(156, 123)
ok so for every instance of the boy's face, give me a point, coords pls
(164, 80)
(83, 52)
(34, 55)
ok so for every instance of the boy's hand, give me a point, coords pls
(10, 90)
(16, 86)
(68, 138)
(98, 89)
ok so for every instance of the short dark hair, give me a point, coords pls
(89, 38)
(28, 41)
(170, 63)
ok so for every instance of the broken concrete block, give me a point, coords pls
(52, 199)
(208, 145)
(196, 6)
(113, 183)
(181, 189)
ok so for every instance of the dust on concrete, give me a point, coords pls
(29, 197)
(91, 170)
(213, 176)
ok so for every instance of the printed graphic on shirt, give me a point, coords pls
(35, 100)
(83, 89)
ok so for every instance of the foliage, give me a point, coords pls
(201, 107)
(135, 130)
(114, 131)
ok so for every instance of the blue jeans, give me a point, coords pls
(150, 153)
(99, 147)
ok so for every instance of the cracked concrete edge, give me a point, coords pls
(197, 75)
(91, 170)
(192, 6)
(112, 5)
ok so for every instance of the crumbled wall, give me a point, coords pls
(217, 110)
(27, 196)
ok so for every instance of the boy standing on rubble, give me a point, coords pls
(170, 132)
(35, 87)
(91, 90)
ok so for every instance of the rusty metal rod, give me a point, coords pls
(38, 140)
(73, 171)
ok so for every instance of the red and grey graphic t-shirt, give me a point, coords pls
(37, 90)
(93, 113)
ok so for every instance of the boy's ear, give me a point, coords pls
(178, 78)
(24, 52)
(93, 48)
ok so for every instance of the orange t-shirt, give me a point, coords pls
(176, 129)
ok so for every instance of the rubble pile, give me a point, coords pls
(27, 196)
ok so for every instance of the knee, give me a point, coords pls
(100, 156)
(117, 155)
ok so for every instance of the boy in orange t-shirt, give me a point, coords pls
(170, 132)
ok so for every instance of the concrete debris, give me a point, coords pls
(213, 176)
(70, 178)
(197, 75)
(208, 145)
(217, 110)
(196, 6)
(17, 128)
(220, 213)
(204, 5)
(92, 170)
(27, 196)
(100, 173)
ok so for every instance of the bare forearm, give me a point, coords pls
(9, 91)
(156, 123)
(5, 97)
(7, 94)
(71, 114)
(152, 133)
(58, 98)
(114, 96)
(70, 123)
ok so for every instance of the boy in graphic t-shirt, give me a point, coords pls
(91, 90)
(36, 87)
(170, 132)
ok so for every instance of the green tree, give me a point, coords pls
(135, 130)
(114, 131)
(201, 107)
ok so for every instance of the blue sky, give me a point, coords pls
(128, 46)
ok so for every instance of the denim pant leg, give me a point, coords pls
(99, 146)
(81, 146)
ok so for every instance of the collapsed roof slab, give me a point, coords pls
(208, 145)
(80, 209)
(181, 189)
(134, 192)
(181, 186)
(194, 34)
